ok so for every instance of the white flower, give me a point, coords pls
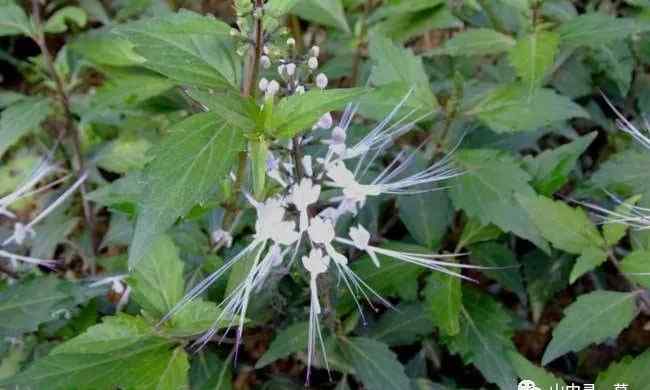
(315, 51)
(270, 223)
(325, 121)
(291, 69)
(265, 61)
(272, 89)
(316, 263)
(300, 90)
(307, 165)
(266, 50)
(291, 42)
(282, 68)
(312, 63)
(321, 231)
(321, 81)
(263, 84)
(302, 195)
(361, 240)
(343, 178)
(220, 236)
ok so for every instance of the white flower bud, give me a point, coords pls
(290, 69)
(291, 42)
(321, 81)
(265, 61)
(272, 89)
(281, 69)
(264, 83)
(234, 32)
(300, 90)
(315, 51)
(265, 50)
(312, 63)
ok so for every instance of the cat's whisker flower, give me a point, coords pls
(51, 264)
(641, 136)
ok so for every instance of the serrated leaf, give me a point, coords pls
(527, 370)
(616, 60)
(545, 276)
(484, 338)
(533, 56)
(326, 12)
(592, 318)
(14, 21)
(486, 191)
(626, 172)
(186, 47)
(103, 48)
(567, 228)
(551, 168)
(474, 232)
(393, 64)
(479, 41)
(631, 371)
(498, 256)
(185, 171)
(443, 299)
(402, 326)
(298, 113)
(613, 232)
(195, 318)
(636, 267)
(595, 29)
(19, 119)
(25, 306)
(229, 103)
(426, 216)
(374, 364)
(514, 107)
(157, 281)
(120, 352)
(208, 372)
(286, 342)
(57, 22)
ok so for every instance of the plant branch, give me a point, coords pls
(69, 125)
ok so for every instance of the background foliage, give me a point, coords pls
(521, 80)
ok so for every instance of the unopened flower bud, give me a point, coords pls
(312, 63)
(300, 90)
(290, 69)
(264, 83)
(265, 61)
(291, 42)
(234, 32)
(265, 50)
(315, 51)
(321, 81)
(281, 69)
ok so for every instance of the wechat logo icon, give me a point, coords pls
(527, 385)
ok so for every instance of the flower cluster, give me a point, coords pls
(301, 219)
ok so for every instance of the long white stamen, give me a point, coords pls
(30, 260)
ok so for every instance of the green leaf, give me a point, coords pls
(395, 65)
(495, 255)
(625, 172)
(636, 267)
(375, 364)
(592, 318)
(595, 29)
(14, 21)
(551, 168)
(208, 372)
(157, 281)
(426, 216)
(487, 192)
(514, 107)
(443, 299)
(478, 41)
(527, 370)
(613, 232)
(186, 47)
(533, 56)
(484, 338)
(298, 113)
(57, 22)
(402, 326)
(545, 276)
(229, 104)
(120, 352)
(326, 12)
(185, 171)
(616, 61)
(194, 318)
(631, 371)
(102, 48)
(474, 232)
(588, 260)
(286, 342)
(19, 119)
(25, 306)
(567, 228)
